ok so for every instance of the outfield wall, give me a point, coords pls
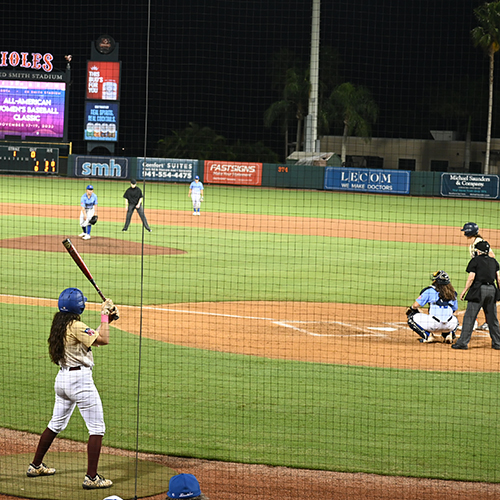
(286, 176)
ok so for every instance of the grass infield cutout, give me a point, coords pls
(66, 483)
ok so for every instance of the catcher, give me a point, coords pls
(442, 300)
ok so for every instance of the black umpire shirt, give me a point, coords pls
(133, 195)
(485, 269)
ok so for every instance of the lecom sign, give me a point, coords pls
(228, 172)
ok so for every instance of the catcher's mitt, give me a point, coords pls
(93, 219)
(411, 311)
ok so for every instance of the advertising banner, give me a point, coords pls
(103, 80)
(101, 121)
(166, 169)
(372, 181)
(469, 185)
(97, 166)
(229, 172)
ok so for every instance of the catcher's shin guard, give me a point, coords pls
(417, 328)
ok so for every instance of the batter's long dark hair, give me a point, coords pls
(57, 337)
(446, 292)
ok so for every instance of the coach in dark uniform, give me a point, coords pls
(133, 195)
(480, 292)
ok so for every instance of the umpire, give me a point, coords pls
(133, 195)
(480, 292)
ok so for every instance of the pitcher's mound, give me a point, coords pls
(108, 246)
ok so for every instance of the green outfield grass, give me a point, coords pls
(451, 212)
(241, 408)
(228, 265)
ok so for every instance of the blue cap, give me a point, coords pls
(183, 486)
(197, 178)
(90, 187)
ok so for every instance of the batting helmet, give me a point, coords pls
(441, 278)
(470, 229)
(72, 300)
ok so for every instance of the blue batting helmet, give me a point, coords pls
(72, 300)
(470, 229)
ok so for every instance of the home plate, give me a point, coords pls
(382, 328)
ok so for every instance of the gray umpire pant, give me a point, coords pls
(488, 304)
(141, 213)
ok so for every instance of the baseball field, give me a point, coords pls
(270, 330)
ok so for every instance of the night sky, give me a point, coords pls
(209, 61)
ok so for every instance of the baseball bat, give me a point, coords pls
(83, 267)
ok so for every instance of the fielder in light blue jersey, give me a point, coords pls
(196, 194)
(88, 205)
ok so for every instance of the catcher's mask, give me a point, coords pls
(441, 278)
(470, 229)
(72, 300)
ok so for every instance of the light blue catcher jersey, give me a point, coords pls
(441, 309)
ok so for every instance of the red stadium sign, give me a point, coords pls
(229, 172)
(103, 80)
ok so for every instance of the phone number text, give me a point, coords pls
(166, 174)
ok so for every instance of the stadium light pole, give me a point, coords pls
(312, 117)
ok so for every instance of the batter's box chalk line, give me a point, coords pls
(283, 323)
(288, 324)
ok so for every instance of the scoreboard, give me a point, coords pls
(29, 159)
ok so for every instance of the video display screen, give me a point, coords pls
(32, 109)
(101, 121)
(103, 80)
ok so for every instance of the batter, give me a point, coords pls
(471, 232)
(88, 205)
(70, 347)
(196, 194)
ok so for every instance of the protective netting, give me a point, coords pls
(270, 328)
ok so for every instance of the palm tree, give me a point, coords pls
(355, 108)
(487, 36)
(203, 143)
(292, 79)
(458, 106)
(194, 141)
